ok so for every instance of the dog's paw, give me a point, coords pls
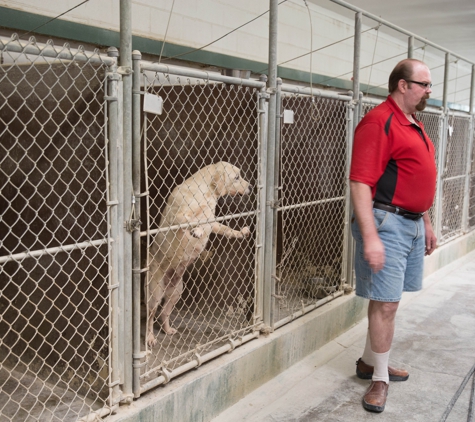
(151, 340)
(197, 232)
(170, 331)
(245, 232)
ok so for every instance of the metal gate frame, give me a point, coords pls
(163, 375)
(112, 136)
(279, 209)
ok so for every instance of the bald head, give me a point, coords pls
(403, 70)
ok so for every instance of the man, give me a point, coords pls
(392, 184)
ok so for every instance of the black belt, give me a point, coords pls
(397, 210)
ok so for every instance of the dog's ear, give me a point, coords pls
(219, 183)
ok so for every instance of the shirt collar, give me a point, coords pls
(401, 117)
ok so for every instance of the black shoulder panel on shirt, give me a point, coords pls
(388, 124)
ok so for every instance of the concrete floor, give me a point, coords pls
(434, 340)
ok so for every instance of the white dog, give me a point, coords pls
(192, 203)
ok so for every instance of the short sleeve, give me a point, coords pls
(370, 154)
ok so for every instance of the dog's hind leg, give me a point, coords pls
(155, 295)
(173, 293)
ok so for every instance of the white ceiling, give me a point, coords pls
(448, 23)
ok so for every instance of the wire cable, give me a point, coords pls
(166, 32)
(372, 60)
(314, 110)
(51, 20)
(220, 38)
(319, 49)
(364, 67)
(451, 80)
(311, 45)
(456, 78)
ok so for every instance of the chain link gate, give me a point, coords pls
(312, 211)
(454, 175)
(55, 297)
(433, 125)
(202, 168)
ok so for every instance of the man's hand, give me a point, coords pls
(431, 240)
(374, 253)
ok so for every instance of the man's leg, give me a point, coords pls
(381, 317)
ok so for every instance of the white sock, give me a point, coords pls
(381, 361)
(367, 356)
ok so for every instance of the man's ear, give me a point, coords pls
(402, 85)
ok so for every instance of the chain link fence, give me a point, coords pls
(203, 189)
(312, 213)
(202, 172)
(54, 251)
(432, 122)
(454, 174)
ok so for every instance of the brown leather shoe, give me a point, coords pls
(374, 399)
(365, 372)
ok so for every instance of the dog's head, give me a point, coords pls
(227, 180)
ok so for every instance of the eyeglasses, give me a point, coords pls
(425, 85)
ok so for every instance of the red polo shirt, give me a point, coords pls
(395, 158)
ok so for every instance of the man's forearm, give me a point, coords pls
(362, 200)
(363, 207)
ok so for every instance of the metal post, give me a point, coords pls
(136, 261)
(113, 202)
(348, 250)
(260, 240)
(356, 64)
(471, 101)
(443, 145)
(446, 83)
(355, 108)
(277, 186)
(269, 281)
(126, 70)
(410, 47)
(440, 174)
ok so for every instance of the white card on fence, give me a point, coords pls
(153, 104)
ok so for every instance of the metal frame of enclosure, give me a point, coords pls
(94, 149)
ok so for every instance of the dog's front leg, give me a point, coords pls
(229, 232)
